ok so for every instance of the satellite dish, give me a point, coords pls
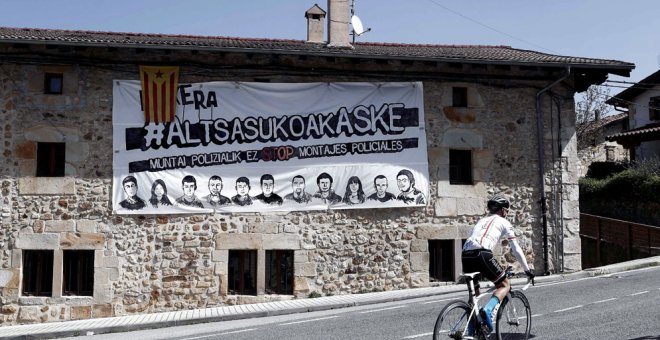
(358, 28)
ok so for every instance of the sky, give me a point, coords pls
(605, 29)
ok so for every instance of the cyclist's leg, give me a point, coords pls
(494, 272)
(502, 289)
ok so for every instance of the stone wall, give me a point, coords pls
(159, 263)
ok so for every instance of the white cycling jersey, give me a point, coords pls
(488, 231)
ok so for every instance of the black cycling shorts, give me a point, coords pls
(482, 260)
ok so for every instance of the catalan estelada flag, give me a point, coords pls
(159, 86)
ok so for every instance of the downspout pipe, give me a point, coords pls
(541, 148)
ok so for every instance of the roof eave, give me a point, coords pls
(622, 70)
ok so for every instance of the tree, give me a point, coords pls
(589, 111)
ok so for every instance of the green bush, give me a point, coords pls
(636, 182)
(591, 186)
(632, 194)
(314, 294)
(602, 170)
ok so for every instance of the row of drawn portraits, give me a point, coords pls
(353, 194)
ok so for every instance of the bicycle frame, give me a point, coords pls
(473, 300)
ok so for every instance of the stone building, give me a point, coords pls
(641, 103)
(597, 148)
(498, 120)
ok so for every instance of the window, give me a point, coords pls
(279, 272)
(50, 159)
(441, 260)
(53, 83)
(78, 272)
(654, 108)
(609, 153)
(242, 274)
(459, 97)
(37, 272)
(460, 167)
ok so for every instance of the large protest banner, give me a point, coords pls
(258, 147)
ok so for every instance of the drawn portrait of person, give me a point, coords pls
(354, 193)
(132, 200)
(189, 186)
(409, 194)
(267, 187)
(242, 196)
(298, 193)
(215, 198)
(159, 194)
(325, 193)
(381, 194)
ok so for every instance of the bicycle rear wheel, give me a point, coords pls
(514, 318)
(452, 321)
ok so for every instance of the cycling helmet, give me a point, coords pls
(496, 203)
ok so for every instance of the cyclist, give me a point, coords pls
(477, 253)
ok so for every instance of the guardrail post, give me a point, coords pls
(630, 242)
(648, 232)
(598, 243)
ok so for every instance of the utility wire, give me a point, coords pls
(490, 27)
(627, 87)
(627, 101)
(631, 82)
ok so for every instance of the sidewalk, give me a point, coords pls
(187, 317)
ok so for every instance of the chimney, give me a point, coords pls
(315, 17)
(338, 24)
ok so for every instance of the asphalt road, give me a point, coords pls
(620, 306)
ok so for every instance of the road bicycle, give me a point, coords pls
(513, 319)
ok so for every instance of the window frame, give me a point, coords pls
(279, 281)
(442, 260)
(49, 77)
(459, 96)
(461, 171)
(37, 272)
(609, 154)
(243, 259)
(51, 159)
(77, 272)
(654, 108)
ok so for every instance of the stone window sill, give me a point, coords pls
(46, 186)
(41, 300)
(33, 300)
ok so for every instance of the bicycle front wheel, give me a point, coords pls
(514, 318)
(452, 321)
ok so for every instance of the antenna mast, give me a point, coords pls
(358, 28)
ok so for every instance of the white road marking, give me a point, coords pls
(536, 315)
(311, 320)
(562, 282)
(601, 301)
(569, 308)
(382, 309)
(418, 335)
(225, 333)
(639, 293)
(435, 301)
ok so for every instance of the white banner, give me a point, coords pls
(254, 147)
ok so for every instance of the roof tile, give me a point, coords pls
(474, 53)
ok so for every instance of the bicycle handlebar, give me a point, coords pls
(511, 274)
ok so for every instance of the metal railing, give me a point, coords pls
(607, 240)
